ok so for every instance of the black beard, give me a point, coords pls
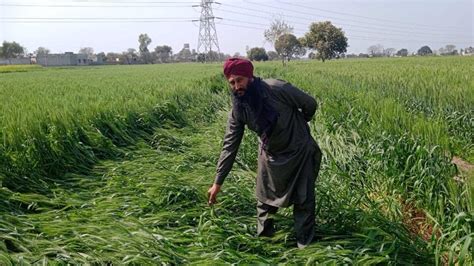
(264, 114)
(251, 95)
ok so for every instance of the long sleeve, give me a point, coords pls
(233, 137)
(299, 99)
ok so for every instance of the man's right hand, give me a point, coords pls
(212, 193)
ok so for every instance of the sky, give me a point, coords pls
(114, 25)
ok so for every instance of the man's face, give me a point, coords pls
(238, 84)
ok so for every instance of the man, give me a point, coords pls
(288, 158)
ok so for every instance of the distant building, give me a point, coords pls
(469, 51)
(185, 55)
(15, 61)
(97, 60)
(66, 59)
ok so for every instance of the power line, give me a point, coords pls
(141, 2)
(298, 29)
(127, 2)
(384, 31)
(356, 30)
(397, 30)
(129, 19)
(350, 36)
(87, 6)
(98, 18)
(358, 16)
(311, 14)
(399, 33)
(94, 21)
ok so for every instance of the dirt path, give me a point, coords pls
(462, 165)
(466, 169)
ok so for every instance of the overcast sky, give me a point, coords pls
(396, 24)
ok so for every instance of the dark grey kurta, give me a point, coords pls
(288, 162)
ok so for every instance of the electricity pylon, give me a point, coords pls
(207, 41)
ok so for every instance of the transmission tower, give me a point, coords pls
(207, 41)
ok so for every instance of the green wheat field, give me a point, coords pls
(111, 165)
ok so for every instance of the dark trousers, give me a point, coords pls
(303, 213)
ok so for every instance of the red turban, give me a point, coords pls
(238, 66)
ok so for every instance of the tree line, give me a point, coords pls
(142, 55)
(323, 41)
(159, 54)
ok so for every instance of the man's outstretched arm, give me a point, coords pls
(232, 139)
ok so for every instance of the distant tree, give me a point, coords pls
(144, 41)
(257, 54)
(201, 57)
(450, 48)
(362, 55)
(468, 50)
(389, 52)
(375, 50)
(272, 55)
(89, 51)
(288, 46)
(329, 41)
(11, 50)
(425, 50)
(237, 54)
(402, 52)
(312, 55)
(213, 56)
(86, 50)
(130, 56)
(41, 51)
(163, 53)
(277, 28)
